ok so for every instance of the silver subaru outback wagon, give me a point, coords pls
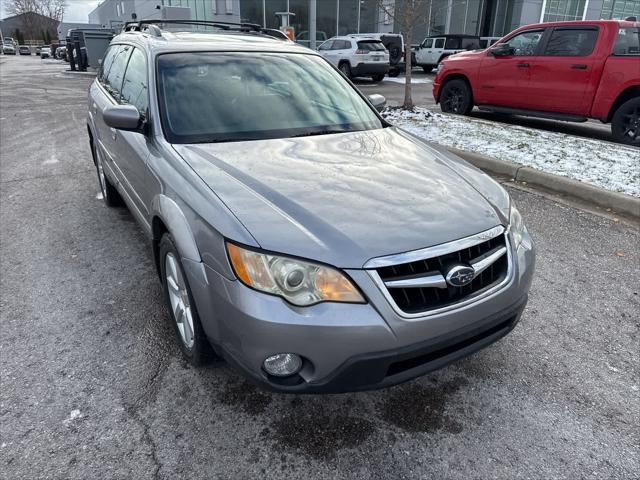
(296, 233)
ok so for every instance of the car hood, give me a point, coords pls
(345, 198)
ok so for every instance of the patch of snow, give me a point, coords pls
(75, 414)
(52, 160)
(608, 165)
(401, 80)
(99, 196)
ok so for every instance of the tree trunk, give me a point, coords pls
(408, 100)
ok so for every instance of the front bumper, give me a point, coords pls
(350, 347)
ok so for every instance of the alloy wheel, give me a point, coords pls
(179, 298)
(454, 99)
(631, 124)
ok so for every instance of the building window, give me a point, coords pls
(229, 5)
(563, 10)
(620, 9)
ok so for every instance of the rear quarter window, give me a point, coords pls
(627, 42)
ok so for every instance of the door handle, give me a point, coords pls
(579, 66)
(522, 65)
(114, 133)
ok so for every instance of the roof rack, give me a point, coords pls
(151, 26)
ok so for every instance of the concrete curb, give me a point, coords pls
(618, 202)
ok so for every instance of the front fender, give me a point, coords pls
(174, 219)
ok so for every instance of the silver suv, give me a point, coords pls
(295, 231)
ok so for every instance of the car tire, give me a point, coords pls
(345, 68)
(427, 68)
(182, 308)
(377, 78)
(394, 73)
(625, 124)
(110, 194)
(456, 97)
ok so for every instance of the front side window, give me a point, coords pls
(428, 43)
(135, 84)
(217, 97)
(106, 62)
(571, 42)
(113, 79)
(627, 42)
(525, 43)
(326, 45)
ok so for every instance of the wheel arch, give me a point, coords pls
(455, 76)
(168, 217)
(625, 95)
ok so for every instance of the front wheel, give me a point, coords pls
(377, 78)
(182, 308)
(625, 125)
(427, 68)
(456, 98)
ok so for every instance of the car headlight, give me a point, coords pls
(298, 282)
(516, 225)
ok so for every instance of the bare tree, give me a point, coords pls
(49, 8)
(34, 25)
(407, 14)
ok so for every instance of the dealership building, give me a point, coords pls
(490, 18)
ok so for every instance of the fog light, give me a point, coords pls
(283, 364)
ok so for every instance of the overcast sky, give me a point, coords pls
(77, 10)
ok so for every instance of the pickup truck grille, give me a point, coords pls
(420, 286)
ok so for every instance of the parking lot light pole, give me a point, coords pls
(312, 24)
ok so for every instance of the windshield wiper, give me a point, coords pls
(321, 132)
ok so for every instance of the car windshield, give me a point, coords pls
(218, 97)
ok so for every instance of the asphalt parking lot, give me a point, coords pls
(93, 384)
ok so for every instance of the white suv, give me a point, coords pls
(357, 57)
(433, 50)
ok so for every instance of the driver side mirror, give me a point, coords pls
(123, 117)
(378, 101)
(502, 50)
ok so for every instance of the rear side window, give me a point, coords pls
(571, 42)
(439, 43)
(627, 42)
(371, 46)
(113, 79)
(453, 43)
(106, 62)
(135, 85)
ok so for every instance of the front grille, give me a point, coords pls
(422, 299)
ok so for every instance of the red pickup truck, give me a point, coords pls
(563, 70)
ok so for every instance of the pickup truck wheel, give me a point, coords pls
(182, 309)
(625, 125)
(345, 68)
(110, 194)
(427, 68)
(377, 78)
(456, 98)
